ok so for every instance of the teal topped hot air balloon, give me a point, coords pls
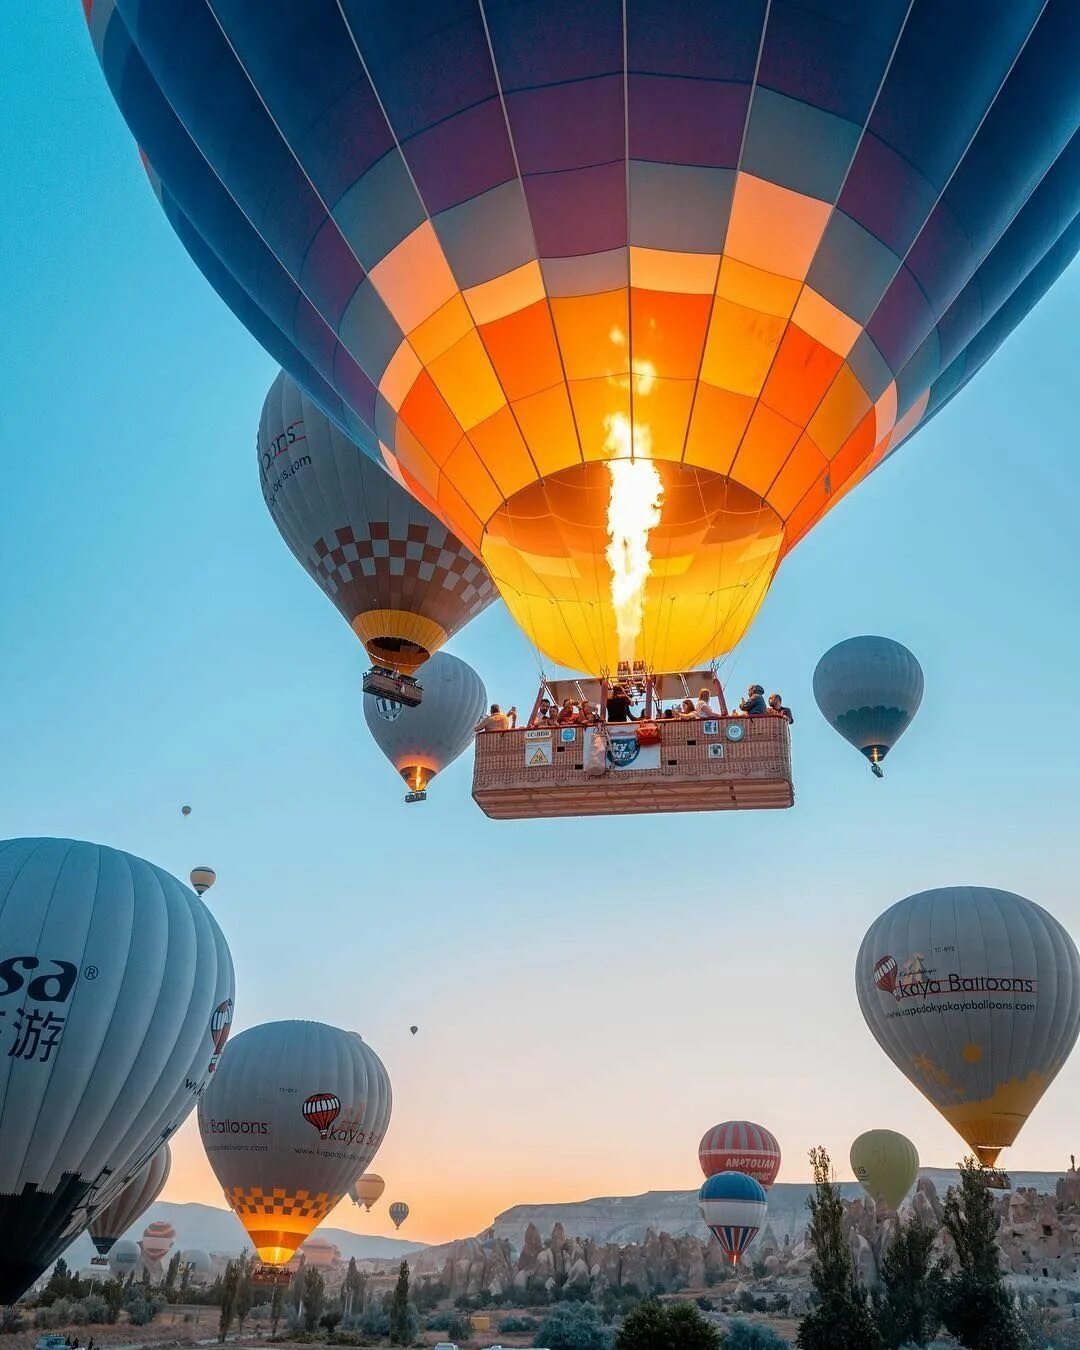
(869, 689)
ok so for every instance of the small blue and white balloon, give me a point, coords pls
(734, 1207)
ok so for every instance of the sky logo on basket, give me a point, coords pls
(622, 751)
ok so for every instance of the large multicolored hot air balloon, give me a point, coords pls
(317, 1101)
(974, 994)
(420, 742)
(629, 292)
(403, 583)
(110, 971)
(733, 1206)
(367, 1190)
(869, 689)
(113, 1221)
(886, 1165)
(740, 1146)
(399, 1212)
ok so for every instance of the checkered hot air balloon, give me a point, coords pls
(321, 1110)
(733, 1206)
(740, 1146)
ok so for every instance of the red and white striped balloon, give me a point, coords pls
(740, 1146)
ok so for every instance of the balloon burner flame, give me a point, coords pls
(637, 492)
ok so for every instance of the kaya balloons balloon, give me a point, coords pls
(974, 994)
(869, 689)
(401, 581)
(399, 1212)
(740, 1146)
(110, 975)
(733, 1206)
(113, 1221)
(886, 1165)
(295, 1113)
(420, 742)
(560, 264)
(368, 1189)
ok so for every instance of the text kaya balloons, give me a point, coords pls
(869, 689)
(420, 742)
(368, 1189)
(134, 1200)
(974, 994)
(740, 1146)
(886, 1164)
(110, 973)
(403, 583)
(733, 1206)
(744, 249)
(315, 1102)
(399, 1212)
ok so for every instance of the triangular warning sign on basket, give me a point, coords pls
(538, 758)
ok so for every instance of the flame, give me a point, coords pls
(637, 492)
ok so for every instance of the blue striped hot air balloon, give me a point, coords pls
(733, 1205)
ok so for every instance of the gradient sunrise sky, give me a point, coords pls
(590, 995)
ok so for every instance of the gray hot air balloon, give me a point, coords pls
(419, 742)
(974, 994)
(195, 1266)
(399, 578)
(869, 689)
(292, 1118)
(110, 975)
(113, 1220)
(124, 1258)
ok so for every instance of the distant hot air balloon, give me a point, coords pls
(196, 1264)
(185, 810)
(320, 1252)
(157, 1240)
(633, 293)
(420, 742)
(111, 972)
(399, 1212)
(869, 689)
(111, 1222)
(983, 1009)
(399, 578)
(886, 1164)
(318, 1101)
(740, 1146)
(202, 878)
(123, 1259)
(733, 1206)
(414, 1030)
(368, 1189)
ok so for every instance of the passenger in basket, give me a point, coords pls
(776, 706)
(618, 706)
(686, 709)
(496, 720)
(754, 703)
(568, 713)
(703, 708)
(588, 716)
(544, 716)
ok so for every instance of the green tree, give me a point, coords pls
(59, 1285)
(228, 1299)
(112, 1291)
(746, 1336)
(399, 1308)
(907, 1311)
(666, 1326)
(839, 1318)
(574, 1326)
(976, 1307)
(277, 1301)
(244, 1292)
(313, 1291)
(355, 1285)
(171, 1272)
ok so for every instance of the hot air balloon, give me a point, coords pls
(185, 810)
(111, 1222)
(399, 578)
(414, 1030)
(630, 295)
(157, 1241)
(869, 689)
(109, 976)
(982, 1010)
(740, 1146)
(886, 1165)
(733, 1206)
(399, 1212)
(320, 1252)
(123, 1259)
(368, 1189)
(318, 1102)
(195, 1264)
(420, 742)
(202, 878)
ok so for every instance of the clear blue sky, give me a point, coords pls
(159, 645)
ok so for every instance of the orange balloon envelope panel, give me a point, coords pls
(629, 292)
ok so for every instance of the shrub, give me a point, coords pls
(574, 1326)
(140, 1313)
(517, 1323)
(745, 1336)
(456, 1325)
(674, 1326)
(90, 1311)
